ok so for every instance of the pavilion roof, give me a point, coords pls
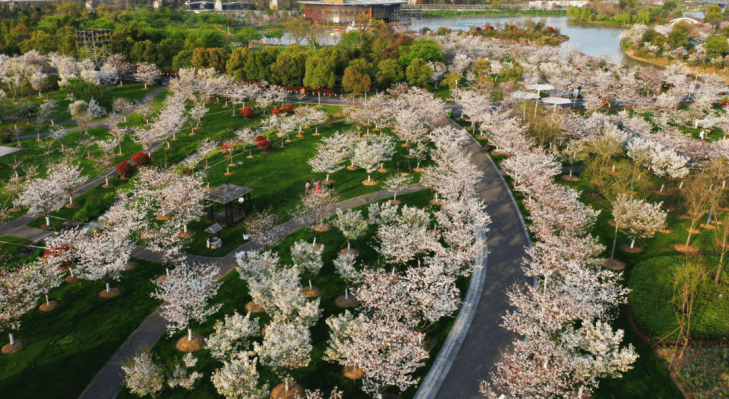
(227, 193)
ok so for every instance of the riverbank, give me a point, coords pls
(492, 13)
(663, 62)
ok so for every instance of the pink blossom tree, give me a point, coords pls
(19, 290)
(146, 73)
(41, 197)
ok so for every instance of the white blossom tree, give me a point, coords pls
(352, 225)
(68, 176)
(286, 346)
(19, 290)
(396, 183)
(142, 375)
(344, 264)
(640, 219)
(308, 258)
(41, 197)
(232, 336)
(238, 379)
(146, 73)
(186, 293)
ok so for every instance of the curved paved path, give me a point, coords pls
(506, 241)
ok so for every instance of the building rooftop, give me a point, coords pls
(354, 2)
(227, 193)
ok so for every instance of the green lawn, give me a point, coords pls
(319, 374)
(14, 250)
(68, 345)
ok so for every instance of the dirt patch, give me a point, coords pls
(130, 265)
(113, 291)
(47, 307)
(254, 307)
(162, 217)
(295, 391)
(343, 302)
(352, 167)
(496, 153)
(370, 182)
(352, 373)
(396, 202)
(186, 345)
(614, 264)
(18, 346)
(328, 181)
(418, 170)
(659, 192)
(665, 231)
(684, 217)
(186, 234)
(435, 202)
(352, 251)
(322, 228)
(570, 178)
(686, 249)
(70, 279)
(162, 277)
(707, 226)
(312, 292)
(635, 250)
(384, 170)
(693, 231)
(611, 173)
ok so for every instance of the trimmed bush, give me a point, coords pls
(125, 169)
(247, 112)
(276, 111)
(141, 158)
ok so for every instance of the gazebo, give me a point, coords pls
(236, 202)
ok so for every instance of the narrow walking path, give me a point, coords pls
(484, 340)
(108, 382)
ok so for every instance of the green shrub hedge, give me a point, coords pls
(652, 289)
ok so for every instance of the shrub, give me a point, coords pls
(83, 90)
(276, 111)
(247, 112)
(288, 108)
(227, 147)
(265, 143)
(141, 158)
(259, 139)
(125, 169)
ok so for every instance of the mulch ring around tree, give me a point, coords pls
(570, 178)
(435, 202)
(107, 186)
(686, 249)
(72, 206)
(665, 231)
(496, 153)
(322, 228)
(352, 251)
(352, 373)
(186, 345)
(113, 291)
(396, 202)
(635, 250)
(47, 307)
(328, 181)
(70, 279)
(352, 167)
(254, 307)
(659, 192)
(481, 137)
(370, 182)
(707, 226)
(188, 234)
(614, 264)
(346, 302)
(312, 292)
(684, 217)
(693, 231)
(17, 346)
(418, 170)
(383, 170)
(295, 391)
(130, 265)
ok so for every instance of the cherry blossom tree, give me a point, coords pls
(396, 183)
(315, 207)
(103, 256)
(352, 225)
(41, 197)
(308, 258)
(286, 346)
(146, 73)
(640, 218)
(19, 290)
(238, 379)
(232, 336)
(186, 293)
(328, 159)
(68, 176)
(142, 375)
(344, 264)
(49, 278)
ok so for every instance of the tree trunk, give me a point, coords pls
(12, 338)
(185, 227)
(145, 86)
(723, 251)
(327, 176)
(368, 177)
(394, 198)
(615, 240)
(310, 285)
(319, 94)
(346, 292)
(47, 302)
(632, 242)
(286, 380)
(348, 246)
(689, 236)
(167, 270)
(48, 221)
(189, 333)
(107, 287)
(70, 198)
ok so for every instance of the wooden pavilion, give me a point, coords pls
(236, 202)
